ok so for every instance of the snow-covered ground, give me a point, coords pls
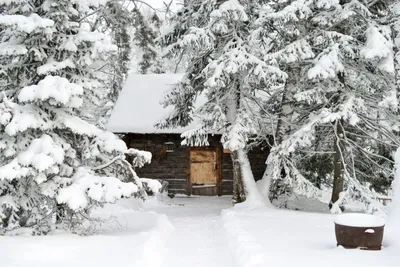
(133, 237)
(292, 238)
(196, 231)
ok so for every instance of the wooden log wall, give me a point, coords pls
(172, 166)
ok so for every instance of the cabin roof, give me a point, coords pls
(138, 107)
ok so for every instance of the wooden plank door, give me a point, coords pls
(204, 171)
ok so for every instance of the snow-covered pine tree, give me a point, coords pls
(395, 24)
(225, 66)
(51, 160)
(116, 20)
(148, 51)
(340, 63)
(394, 19)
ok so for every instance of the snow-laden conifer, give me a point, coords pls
(339, 60)
(226, 66)
(52, 161)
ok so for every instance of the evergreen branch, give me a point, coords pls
(368, 154)
(145, 3)
(107, 164)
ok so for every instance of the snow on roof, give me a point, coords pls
(138, 107)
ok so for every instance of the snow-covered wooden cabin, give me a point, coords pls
(189, 170)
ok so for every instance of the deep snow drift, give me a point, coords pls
(196, 231)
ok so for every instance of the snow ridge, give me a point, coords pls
(246, 250)
(154, 249)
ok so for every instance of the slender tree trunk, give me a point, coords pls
(239, 194)
(233, 104)
(338, 179)
(338, 147)
(282, 129)
(287, 107)
(244, 186)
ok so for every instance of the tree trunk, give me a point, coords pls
(244, 185)
(239, 194)
(287, 107)
(338, 179)
(233, 104)
(245, 188)
(282, 129)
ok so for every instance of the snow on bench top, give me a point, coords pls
(138, 107)
(359, 220)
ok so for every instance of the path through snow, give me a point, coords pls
(198, 239)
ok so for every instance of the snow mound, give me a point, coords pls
(360, 220)
(248, 253)
(156, 243)
(153, 185)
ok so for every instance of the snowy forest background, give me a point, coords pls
(317, 80)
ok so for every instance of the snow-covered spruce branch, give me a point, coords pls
(98, 10)
(51, 213)
(352, 181)
(381, 130)
(134, 175)
(144, 3)
(105, 165)
(302, 186)
(140, 158)
(92, 13)
(368, 154)
(368, 136)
